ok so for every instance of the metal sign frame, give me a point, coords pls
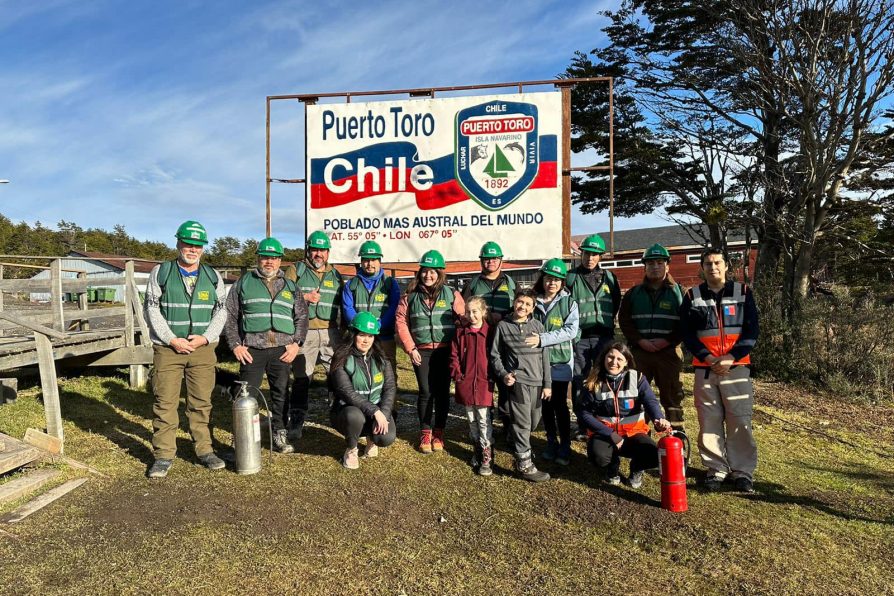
(564, 85)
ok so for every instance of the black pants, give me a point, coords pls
(641, 450)
(433, 376)
(556, 417)
(502, 403)
(267, 361)
(351, 422)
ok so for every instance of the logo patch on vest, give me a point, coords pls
(503, 288)
(328, 283)
(605, 288)
(628, 403)
(378, 377)
(441, 303)
(380, 298)
(664, 304)
(729, 310)
(556, 321)
(204, 295)
(287, 294)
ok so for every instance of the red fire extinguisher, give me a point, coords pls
(671, 465)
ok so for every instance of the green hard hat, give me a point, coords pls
(366, 322)
(433, 260)
(318, 240)
(555, 267)
(490, 250)
(192, 232)
(269, 247)
(370, 250)
(593, 244)
(656, 251)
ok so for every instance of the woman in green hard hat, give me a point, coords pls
(425, 323)
(558, 312)
(363, 386)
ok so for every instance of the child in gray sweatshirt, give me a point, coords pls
(525, 371)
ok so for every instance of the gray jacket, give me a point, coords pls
(510, 354)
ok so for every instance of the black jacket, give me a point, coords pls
(343, 390)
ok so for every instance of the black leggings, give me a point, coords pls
(351, 422)
(433, 377)
(641, 450)
(555, 412)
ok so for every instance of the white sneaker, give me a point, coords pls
(371, 449)
(350, 460)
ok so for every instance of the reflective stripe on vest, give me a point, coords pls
(186, 314)
(372, 302)
(327, 308)
(628, 417)
(366, 378)
(659, 318)
(595, 308)
(560, 308)
(262, 312)
(499, 299)
(435, 325)
(723, 322)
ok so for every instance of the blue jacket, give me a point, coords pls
(387, 320)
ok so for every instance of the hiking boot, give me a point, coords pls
(529, 471)
(437, 440)
(713, 483)
(744, 485)
(212, 462)
(350, 460)
(636, 480)
(281, 442)
(484, 468)
(563, 455)
(160, 468)
(425, 442)
(549, 454)
(371, 450)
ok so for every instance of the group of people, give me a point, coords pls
(531, 349)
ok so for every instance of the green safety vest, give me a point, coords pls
(187, 314)
(596, 309)
(373, 302)
(367, 382)
(329, 285)
(435, 325)
(262, 312)
(655, 319)
(498, 300)
(555, 319)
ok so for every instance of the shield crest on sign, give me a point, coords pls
(497, 153)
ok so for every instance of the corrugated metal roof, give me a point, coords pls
(670, 237)
(116, 261)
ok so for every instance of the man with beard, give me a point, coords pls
(185, 312)
(321, 285)
(266, 326)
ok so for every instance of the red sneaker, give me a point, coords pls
(425, 442)
(437, 440)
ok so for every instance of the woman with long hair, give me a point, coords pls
(615, 406)
(426, 322)
(364, 387)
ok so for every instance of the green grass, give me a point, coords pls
(820, 521)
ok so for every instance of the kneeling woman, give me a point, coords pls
(364, 387)
(615, 402)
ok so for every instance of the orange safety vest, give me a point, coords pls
(629, 417)
(723, 322)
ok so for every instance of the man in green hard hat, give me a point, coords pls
(374, 292)
(265, 329)
(184, 309)
(321, 285)
(650, 320)
(598, 298)
(498, 291)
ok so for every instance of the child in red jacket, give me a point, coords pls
(474, 388)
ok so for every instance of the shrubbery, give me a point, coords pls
(843, 343)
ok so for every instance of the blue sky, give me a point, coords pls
(149, 113)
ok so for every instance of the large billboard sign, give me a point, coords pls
(447, 174)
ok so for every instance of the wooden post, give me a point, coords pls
(1, 297)
(56, 294)
(82, 304)
(566, 170)
(49, 386)
(138, 372)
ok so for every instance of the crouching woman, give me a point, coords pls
(614, 406)
(363, 385)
